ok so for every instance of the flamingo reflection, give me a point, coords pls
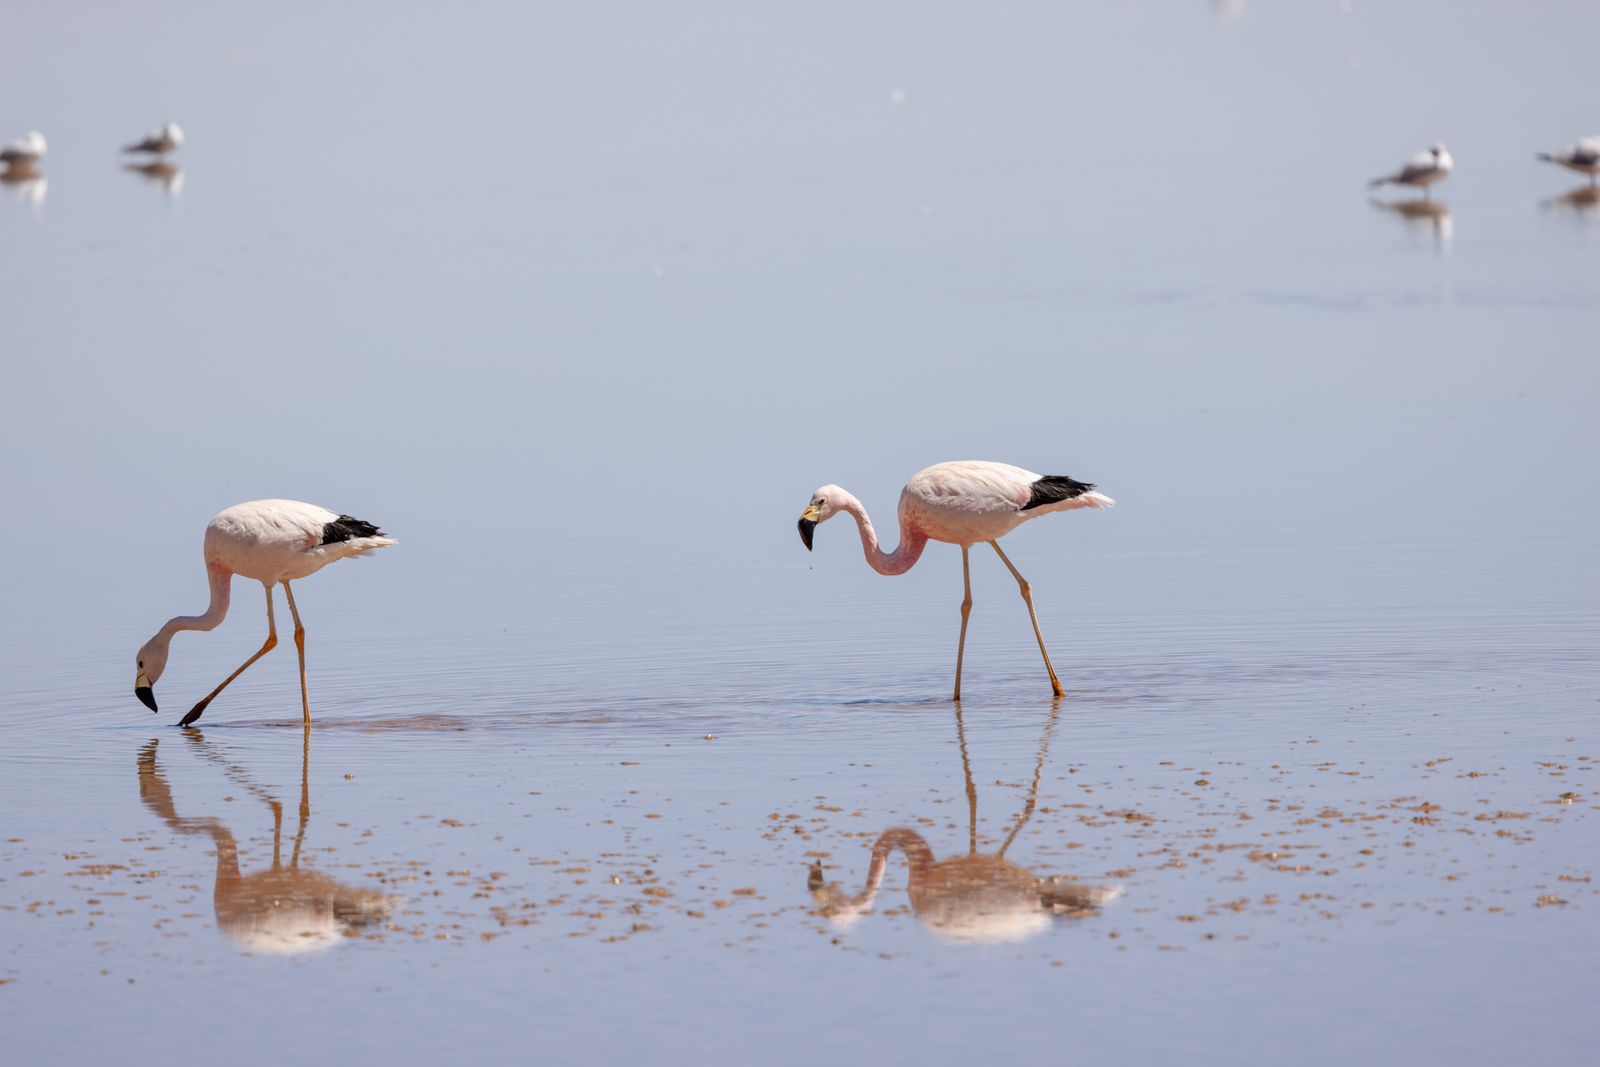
(282, 910)
(978, 897)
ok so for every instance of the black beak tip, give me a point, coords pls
(146, 696)
(806, 528)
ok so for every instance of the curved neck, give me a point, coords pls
(912, 541)
(918, 855)
(220, 578)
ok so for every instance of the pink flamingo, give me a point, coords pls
(270, 541)
(960, 504)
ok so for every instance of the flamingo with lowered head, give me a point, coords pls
(961, 503)
(271, 541)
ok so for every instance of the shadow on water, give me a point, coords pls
(1583, 202)
(1426, 218)
(283, 910)
(978, 897)
(29, 185)
(167, 176)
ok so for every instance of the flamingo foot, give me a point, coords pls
(195, 712)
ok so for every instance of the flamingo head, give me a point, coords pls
(151, 663)
(824, 506)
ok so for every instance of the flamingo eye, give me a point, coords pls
(141, 663)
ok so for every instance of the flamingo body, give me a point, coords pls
(284, 540)
(966, 502)
(960, 503)
(274, 542)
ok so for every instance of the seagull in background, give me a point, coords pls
(1421, 170)
(1583, 156)
(24, 152)
(960, 504)
(271, 541)
(160, 141)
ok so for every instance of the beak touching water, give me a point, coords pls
(142, 690)
(808, 523)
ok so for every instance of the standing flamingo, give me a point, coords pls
(270, 541)
(960, 504)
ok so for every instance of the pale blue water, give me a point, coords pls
(581, 306)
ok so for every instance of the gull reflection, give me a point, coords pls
(28, 184)
(283, 910)
(1430, 219)
(1583, 202)
(167, 175)
(978, 897)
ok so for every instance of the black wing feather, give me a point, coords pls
(1053, 488)
(346, 528)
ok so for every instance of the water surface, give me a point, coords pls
(580, 306)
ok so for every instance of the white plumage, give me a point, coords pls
(1421, 170)
(165, 138)
(1583, 156)
(24, 151)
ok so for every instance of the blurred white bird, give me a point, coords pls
(159, 141)
(25, 150)
(1421, 170)
(1583, 156)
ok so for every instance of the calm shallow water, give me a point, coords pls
(601, 754)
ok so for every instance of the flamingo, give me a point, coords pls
(271, 541)
(1582, 156)
(159, 141)
(960, 503)
(1421, 170)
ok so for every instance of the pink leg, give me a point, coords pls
(272, 643)
(966, 609)
(300, 647)
(1027, 597)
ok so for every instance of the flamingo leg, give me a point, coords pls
(271, 643)
(300, 647)
(1033, 616)
(966, 609)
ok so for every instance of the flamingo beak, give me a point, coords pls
(808, 524)
(142, 690)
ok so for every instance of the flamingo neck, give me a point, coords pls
(918, 855)
(912, 541)
(221, 580)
